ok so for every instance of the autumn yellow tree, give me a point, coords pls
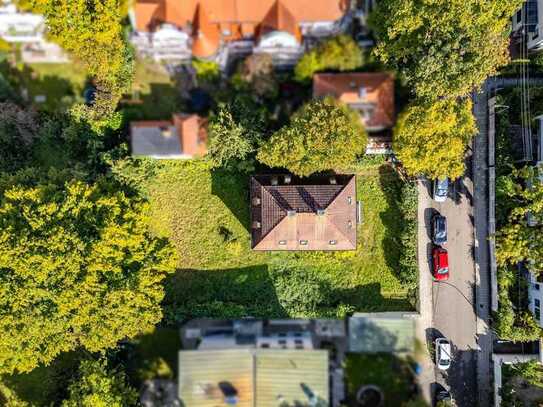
(444, 48)
(430, 139)
(92, 32)
(322, 135)
(78, 269)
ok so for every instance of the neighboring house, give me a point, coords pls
(221, 30)
(253, 377)
(370, 94)
(535, 280)
(389, 332)
(28, 30)
(290, 213)
(530, 19)
(182, 137)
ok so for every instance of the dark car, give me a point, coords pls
(444, 397)
(439, 229)
(441, 189)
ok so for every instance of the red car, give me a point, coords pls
(440, 260)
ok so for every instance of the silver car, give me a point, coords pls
(443, 353)
(441, 189)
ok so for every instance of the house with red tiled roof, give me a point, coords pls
(223, 29)
(182, 137)
(369, 93)
(316, 213)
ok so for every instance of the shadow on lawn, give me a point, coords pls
(59, 92)
(230, 293)
(232, 188)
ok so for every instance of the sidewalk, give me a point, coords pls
(425, 319)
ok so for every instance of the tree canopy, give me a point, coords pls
(444, 48)
(340, 53)
(235, 133)
(78, 268)
(431, 138)
(322, 135)
(520, 240)
(91, 31)
(96, 385)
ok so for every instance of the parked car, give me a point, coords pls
(441, 189)
(443, 353)
(440, 260)
(439, 229)
(444, 396)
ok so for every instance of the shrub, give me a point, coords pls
(339, 53)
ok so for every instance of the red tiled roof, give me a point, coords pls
(379, 92)
(315, 211)
(192, 133)
(243, 16)
(206, 36)
(279, 18)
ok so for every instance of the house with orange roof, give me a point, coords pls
(369, 93)
(183, 137)
(221, 30)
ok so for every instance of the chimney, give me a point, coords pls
(256, 225)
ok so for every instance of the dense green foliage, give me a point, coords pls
(322, 135)
(92, 32)
(444, 48)
(235, 133)
(340, 53)
(79, 268)
(96, 385)
(518, 240)
(519, 325)
(431, 139)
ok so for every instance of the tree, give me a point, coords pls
(322, 135)
(78, 268)
(17, 133)
(443, 48)
(235, 133)
(520, 240)
(96, 385)
(258, 71)
(340, 53)
(431, 138)
(531, 371)
(91, 31)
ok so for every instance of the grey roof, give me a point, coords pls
(381, 332)
(260, 377)
(156, 142)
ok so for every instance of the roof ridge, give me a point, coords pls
(331, 218)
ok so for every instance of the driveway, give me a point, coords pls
(451, 309)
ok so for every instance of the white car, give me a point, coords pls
(443, 353)
(441, 189)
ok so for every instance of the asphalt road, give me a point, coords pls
(452, 301)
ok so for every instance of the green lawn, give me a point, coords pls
(61, 84)
(385, 371)
(154, 94)
(205, 215)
